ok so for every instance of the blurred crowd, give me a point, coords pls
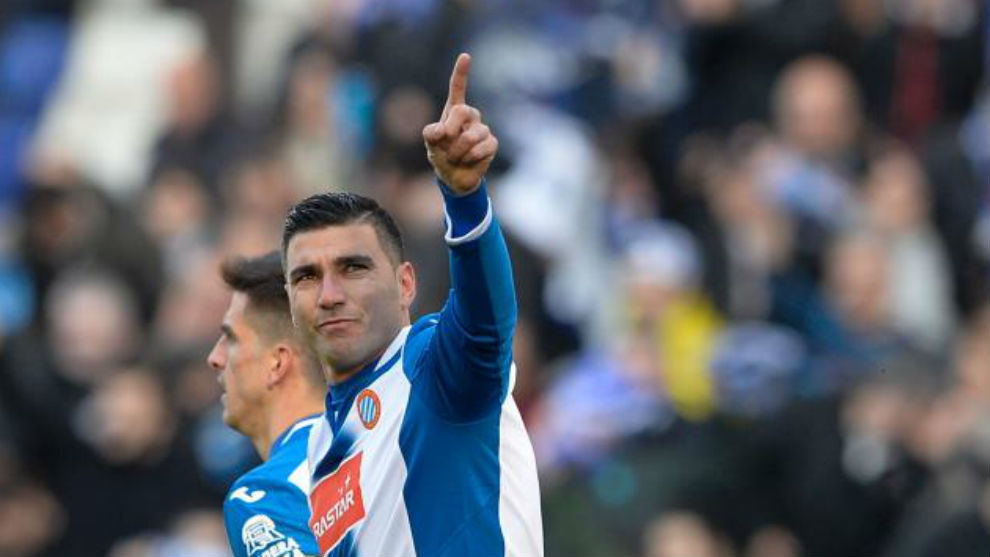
(751, 241)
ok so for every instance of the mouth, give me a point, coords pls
(335, 324)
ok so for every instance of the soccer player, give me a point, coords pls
(273, 393)
(421, 451)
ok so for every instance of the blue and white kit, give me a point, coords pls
(423, 452)
(266, 511)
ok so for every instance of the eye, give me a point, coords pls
(355, 267)
(303, 276)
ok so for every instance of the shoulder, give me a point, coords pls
(259, 489)
(281, 483)
(290, 465)
(417, 341)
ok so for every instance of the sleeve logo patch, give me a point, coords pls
(258, 533)
(246, 495)
(337, 504)
(369, 408)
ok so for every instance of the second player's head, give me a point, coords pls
(259, 356)
(349, 288)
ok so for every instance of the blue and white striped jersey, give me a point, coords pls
(266, 511)
(424, 453)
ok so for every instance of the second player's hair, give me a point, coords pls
(261, 279)
(340, 208)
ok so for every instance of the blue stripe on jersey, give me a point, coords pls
(451, 513)
(340, 449)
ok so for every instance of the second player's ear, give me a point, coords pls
(280, 363)
(407, 284)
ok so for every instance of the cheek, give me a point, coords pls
(303, 304)
(383, 300)
(234, 375)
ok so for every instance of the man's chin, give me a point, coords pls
(341, 363)
(228, 420)
(335, 351)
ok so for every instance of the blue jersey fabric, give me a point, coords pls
(266, 511)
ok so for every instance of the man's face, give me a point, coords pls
(240, 359)
(348, 298)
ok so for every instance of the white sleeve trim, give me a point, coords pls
(473, 234)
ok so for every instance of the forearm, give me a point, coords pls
(483, 301)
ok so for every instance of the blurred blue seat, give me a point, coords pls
(32, 54)
(15, 133)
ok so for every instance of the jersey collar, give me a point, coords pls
(339, 394)
(284, 437)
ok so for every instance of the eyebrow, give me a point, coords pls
(342, 261)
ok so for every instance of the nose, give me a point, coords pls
(216, 357)
(331, 293)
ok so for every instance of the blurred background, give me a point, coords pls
(751, 242)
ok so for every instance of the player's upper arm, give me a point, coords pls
(268, 519)
(468, 354)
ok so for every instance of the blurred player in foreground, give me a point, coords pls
(421, 450)
(273, 394)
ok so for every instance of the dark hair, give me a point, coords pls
(340, 208)
(261, 279)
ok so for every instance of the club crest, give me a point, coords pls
(369, 408)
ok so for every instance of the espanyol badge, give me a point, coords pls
(369, 408)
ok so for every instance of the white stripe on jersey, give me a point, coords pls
(522, 525)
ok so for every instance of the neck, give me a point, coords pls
(290, 411)
(335, 375)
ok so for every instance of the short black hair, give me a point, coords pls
(340, 208)
(261, 279)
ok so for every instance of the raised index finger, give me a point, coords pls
(458, 80)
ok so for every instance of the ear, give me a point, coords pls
(282, 360)
(407, 284)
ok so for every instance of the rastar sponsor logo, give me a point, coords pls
(337, 504)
